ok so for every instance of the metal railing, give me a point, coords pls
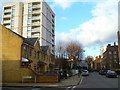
(36, 11)
(35, 30)
(36, 6)
(7, 15)
(6, 21)
(38, 17)
(37, 23)
(8, 10)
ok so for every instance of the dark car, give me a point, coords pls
(111, 74)
(102, 72)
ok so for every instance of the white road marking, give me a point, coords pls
(73, 87)
(67, 88)
(81, 80)
(36, 89)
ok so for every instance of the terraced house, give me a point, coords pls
(23, 59)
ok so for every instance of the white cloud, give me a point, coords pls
(101, 28)
(62, 3)
(64, 18)
(68, 3)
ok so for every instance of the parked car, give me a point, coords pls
(52, 72)
(102, 72)
(111, 74)
(85, 73)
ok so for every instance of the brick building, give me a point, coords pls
(119, 46)
(110, 58)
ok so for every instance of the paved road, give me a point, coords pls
(94, 80)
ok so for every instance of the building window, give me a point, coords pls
(12, 23)
(30, 52)
(110, 52)
(115, 52)
(29, 5)
(25, 64)
(12, 20)
(110, 57)
(35, 67)
(115, 56)
(28, 24)
(29, 17)
(13, 6)
(25, 49)
(28, 36)
(34, 54)
(12, 26)
(29, 11)
(28, 30)
(38, 55)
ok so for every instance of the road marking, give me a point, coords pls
(81, 80)
(73, 87)
(70, 88)
(67, 88)
(36, 89)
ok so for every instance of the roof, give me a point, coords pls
(25, 60)
(30, 41)
(44, 48)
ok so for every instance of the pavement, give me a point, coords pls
(70, 81)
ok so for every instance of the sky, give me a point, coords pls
(93, 23)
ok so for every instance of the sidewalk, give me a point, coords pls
(70, 81)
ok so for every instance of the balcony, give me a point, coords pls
(35, 23)
(35, 35)
(35, 30)
(8, 10)
(6, 21)
(8, 26)
(7, 16)
(36, 6)
(36, 12)
(38, 17)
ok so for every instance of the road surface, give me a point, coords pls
(94, 80)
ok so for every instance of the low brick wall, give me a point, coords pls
(48, 78)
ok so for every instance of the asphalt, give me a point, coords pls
(94, 80)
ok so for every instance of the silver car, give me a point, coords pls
(85, 73)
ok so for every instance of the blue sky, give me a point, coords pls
(91, 22)
(69, 18)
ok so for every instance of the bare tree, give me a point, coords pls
(60, 53)
(75, 53)
(60, 49)
(71, 50)
(74, 50)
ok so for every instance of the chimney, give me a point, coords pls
(109, 44)
(114, 44)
